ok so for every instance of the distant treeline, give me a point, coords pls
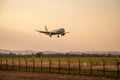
(55, 55)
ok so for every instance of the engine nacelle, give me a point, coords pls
(50, 35)
(62, 34)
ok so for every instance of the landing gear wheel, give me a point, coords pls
(50, 35)
(58, 36)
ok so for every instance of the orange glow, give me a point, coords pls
(93, 24)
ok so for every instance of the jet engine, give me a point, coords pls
(50, 34)
(62, 34)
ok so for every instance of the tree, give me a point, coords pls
(39, 54)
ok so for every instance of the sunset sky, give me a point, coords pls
(94, 25)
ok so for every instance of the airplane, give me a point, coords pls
(60, 31)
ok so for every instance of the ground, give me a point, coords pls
(5, 75)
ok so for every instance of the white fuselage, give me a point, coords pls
(60, 31)
(57, 31)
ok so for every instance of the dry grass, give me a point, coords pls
(4, 75)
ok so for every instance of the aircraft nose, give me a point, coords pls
(63, 30)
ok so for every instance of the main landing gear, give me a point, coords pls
(58, 36)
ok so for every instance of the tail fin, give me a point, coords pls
(46, 28)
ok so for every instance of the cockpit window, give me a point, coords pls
(62, 29)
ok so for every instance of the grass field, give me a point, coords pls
(76, 66)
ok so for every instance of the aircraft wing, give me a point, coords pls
(45, 32)
(67, 32)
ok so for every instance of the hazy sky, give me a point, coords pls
(94, 25)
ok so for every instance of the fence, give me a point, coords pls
(78, 67)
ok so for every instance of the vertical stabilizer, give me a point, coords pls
(46, 28)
